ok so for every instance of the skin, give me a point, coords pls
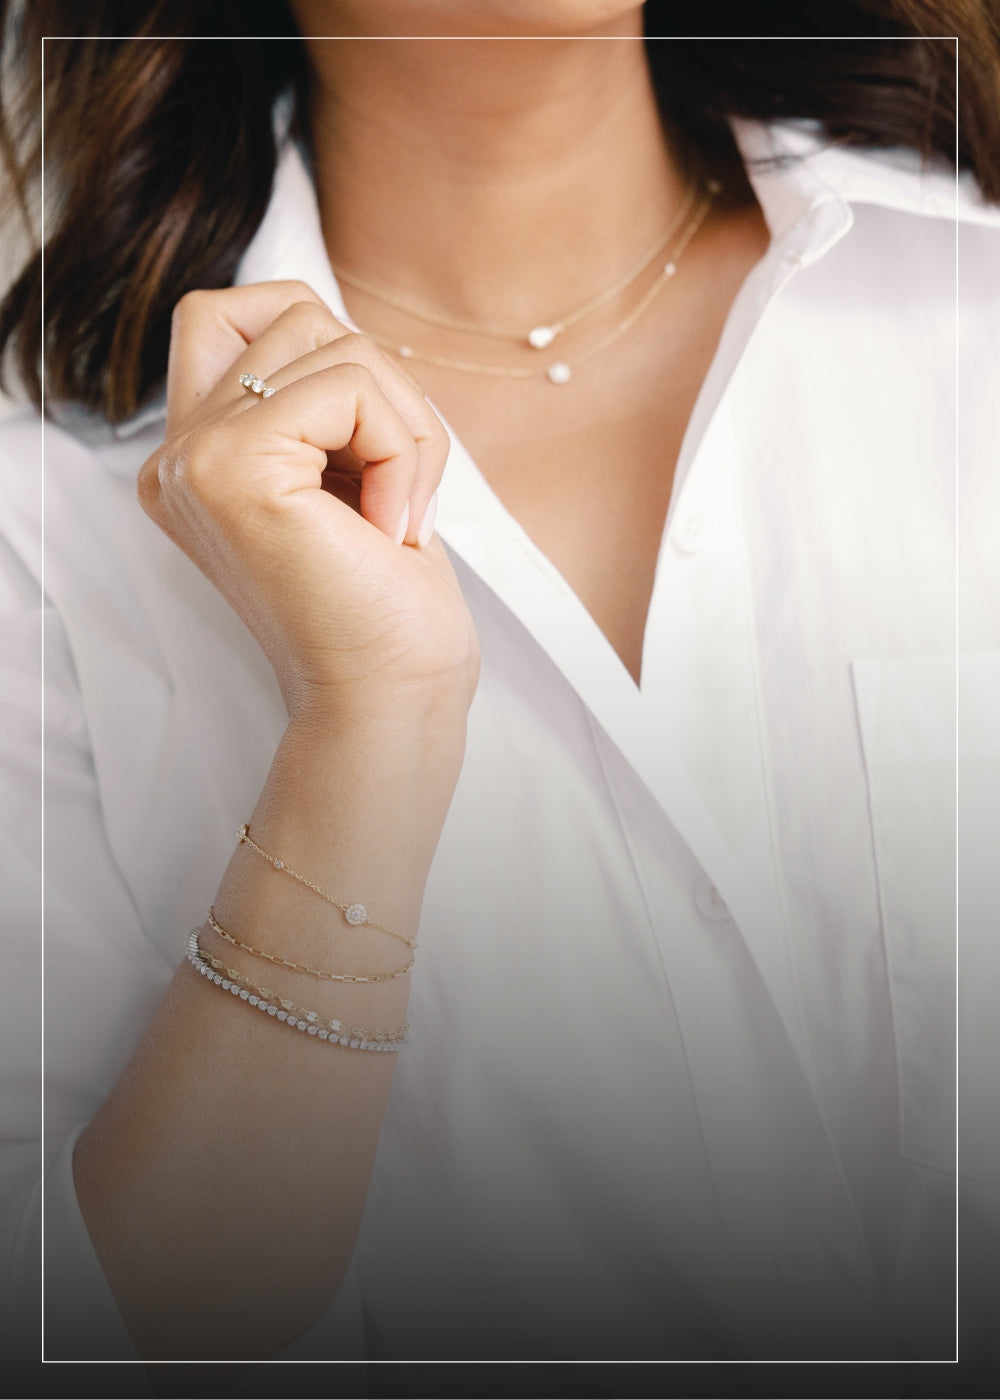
(532, 172)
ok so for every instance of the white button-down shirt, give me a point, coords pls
(682, 1076)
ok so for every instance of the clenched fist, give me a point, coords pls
(311, 510)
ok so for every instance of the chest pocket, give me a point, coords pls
(906, 711)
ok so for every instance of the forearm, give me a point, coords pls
(224, 1178)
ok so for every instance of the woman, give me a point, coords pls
(678, 1085)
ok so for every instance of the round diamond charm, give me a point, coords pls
(540, 336)
(356, 914)
(559, 373)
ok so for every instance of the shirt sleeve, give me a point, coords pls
(43, 755)
(94, 954)
(978, 796)
(20, 987)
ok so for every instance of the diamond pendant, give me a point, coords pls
(540, 336)
(559, 373)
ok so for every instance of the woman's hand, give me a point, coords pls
(311, 510)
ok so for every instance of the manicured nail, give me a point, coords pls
(427, 524)
(404, 521)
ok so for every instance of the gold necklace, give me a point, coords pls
(561, 371)
(541, 336)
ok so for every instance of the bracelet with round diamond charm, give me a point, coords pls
(323, 1028)
(355, 914)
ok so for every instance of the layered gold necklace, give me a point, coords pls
(672, 243)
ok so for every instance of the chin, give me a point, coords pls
(486, 18)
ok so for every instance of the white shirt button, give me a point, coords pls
(709, 902)
(687, 534)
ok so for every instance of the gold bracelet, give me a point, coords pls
(301, 967)
(287, 1010)
(355, 914)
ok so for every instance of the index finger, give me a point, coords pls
(212, 329)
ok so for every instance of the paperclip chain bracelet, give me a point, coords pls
(302, 967)
(355, 914)
(332, 1031)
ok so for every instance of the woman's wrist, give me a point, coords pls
(356, 799)
(431, 714)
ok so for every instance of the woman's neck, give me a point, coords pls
(490, 179)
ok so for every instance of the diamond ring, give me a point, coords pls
(253, 385)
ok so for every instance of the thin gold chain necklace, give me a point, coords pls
(540, 336)
(561, 371)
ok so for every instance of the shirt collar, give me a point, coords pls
(288, 244)
(792, 165)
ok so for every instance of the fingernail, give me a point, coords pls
(427, 524)
(404, 521)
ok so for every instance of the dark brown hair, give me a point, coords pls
(160, 153)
